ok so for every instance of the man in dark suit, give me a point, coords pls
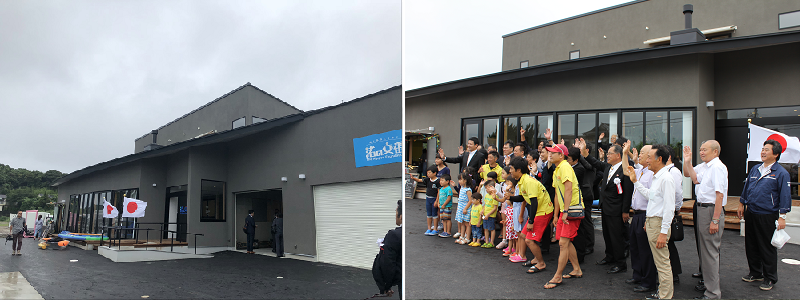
(387, 268)
(250, 227)
(277, 233)
(472, 158)
(585, 174)
(616, 191)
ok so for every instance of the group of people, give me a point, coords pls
(276, 230)
(543, 196)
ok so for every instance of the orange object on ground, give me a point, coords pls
(63, 243)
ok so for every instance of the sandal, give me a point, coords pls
(529, 263)
(570, 276)
(554, 284)
(517, 258)
(535, 270)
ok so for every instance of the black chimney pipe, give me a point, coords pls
(155, 135)
(688, 9)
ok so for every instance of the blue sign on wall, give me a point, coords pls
(379, 149)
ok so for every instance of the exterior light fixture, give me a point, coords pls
(604, 36)
(572, 44)
(709, 103)
(646, 28)
(302, 176)
(154, 185)
(431, 128)
(284, 179)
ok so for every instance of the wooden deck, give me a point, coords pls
(731, 217)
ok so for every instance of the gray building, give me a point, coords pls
(249, 150)
(637, 71)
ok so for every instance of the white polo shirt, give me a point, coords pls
(678, 178)
(712, 177)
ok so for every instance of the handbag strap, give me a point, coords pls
(570, 200)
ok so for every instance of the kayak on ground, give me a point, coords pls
(82, 236)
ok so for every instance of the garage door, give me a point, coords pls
(351, 216)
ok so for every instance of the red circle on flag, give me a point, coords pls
(132, 207)
(779, 138)
(109, 209)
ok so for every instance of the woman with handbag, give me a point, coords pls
(570, 205)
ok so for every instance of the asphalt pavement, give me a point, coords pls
(438, 268)
(227, 275)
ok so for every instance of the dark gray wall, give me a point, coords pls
(245, 102)
(208, 163)
(321, 146)
(624, 28)
(665, 82)
(761, 77)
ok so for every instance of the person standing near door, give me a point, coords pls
(277, 228)
(250, 228)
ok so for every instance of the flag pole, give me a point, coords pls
(746, 161)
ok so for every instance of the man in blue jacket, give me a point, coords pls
(766, 198)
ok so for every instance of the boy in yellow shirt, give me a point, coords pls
(490, 203)
(475, 219)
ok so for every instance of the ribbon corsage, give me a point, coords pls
(618, 182)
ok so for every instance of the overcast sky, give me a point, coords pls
(81, 80)
(447, 40)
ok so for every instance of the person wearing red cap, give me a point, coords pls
(567, 194)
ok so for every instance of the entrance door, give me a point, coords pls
(175, 216)
(265, 204)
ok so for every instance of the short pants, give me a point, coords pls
(517, 212)
(430, 209)
(477, 233)
(540, 223)
(445, 214)
(567, 230)
(488, 224)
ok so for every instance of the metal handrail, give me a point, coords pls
(161, 237)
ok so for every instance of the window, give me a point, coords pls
(680, 134)
(587, 129)
(490, 130)
(238, 123)
(523, 64)
(789, 19)
(212, 201)
(575, 54)
(542, 124)
(656, 127)
(510, 131)
(529, 124)
(632, 123)
(258, 120)
(566, 130)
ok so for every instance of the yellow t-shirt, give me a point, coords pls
(529, 188)
(564, 173)
(490, 203)
(485, 169)
(475, 215)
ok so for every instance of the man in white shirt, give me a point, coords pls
(674, 256)
(660, 210)
(711, 187)
(644, 268)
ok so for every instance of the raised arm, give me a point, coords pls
(688, 169)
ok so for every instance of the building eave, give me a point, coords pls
(712, 46)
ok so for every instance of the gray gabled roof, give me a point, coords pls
(220, 137)
(220, 98)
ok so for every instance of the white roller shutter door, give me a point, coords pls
(350, 217)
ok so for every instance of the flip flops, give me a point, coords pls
(570, 276)
(517, 258)
(535, 270)
(555, 284)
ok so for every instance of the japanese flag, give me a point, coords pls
(133, 208)
(109, 211)
(758, 135)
